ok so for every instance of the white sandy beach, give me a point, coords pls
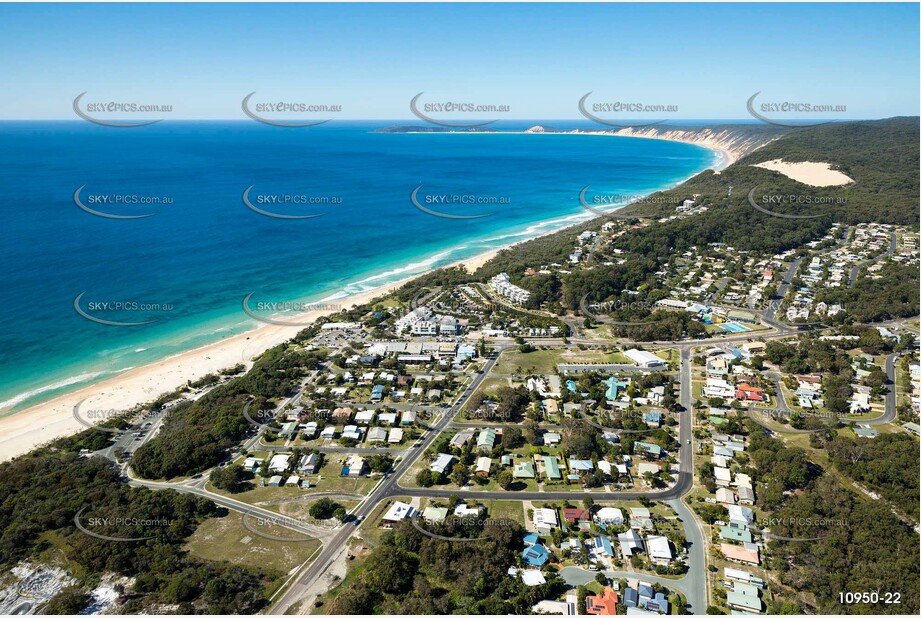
(808, 173)
(24, 430)
(36, 425)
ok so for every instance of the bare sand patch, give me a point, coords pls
(808, 172)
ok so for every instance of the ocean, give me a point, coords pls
(175, 279)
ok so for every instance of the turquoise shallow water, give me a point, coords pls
(203, 250)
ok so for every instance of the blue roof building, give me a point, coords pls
(535, 555)
(532, 538)
(613, 385)
(603, 545)
(631, 598)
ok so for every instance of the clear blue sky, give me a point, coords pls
(539, 59)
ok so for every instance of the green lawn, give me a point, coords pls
(226, 539)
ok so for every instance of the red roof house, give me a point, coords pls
(574, 515)
(604, 604)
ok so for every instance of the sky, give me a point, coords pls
(538, 59)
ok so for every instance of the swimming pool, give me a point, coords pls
(734, 327)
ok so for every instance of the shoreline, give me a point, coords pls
(22, 431)
(31, 427)
(727, 155)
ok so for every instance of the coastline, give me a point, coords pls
(31, 427)
(727, 154)
(27, 429)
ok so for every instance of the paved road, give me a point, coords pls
(783, 287)
(384, 490)
(888, 415)
(234, 505)
(855, 270)
(693, 585)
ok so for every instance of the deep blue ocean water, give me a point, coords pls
(202, 252)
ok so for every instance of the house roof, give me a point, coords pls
(552, 467)
(604, 604)
(657, 547)
(532, 577)
(523, 469)
(535, 555)
(742, 554)
(398, 511)
(435, 513)
(574, 514)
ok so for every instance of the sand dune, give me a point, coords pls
(808, 173)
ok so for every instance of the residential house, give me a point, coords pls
(483, 465)
(747, 554)
(604, 604)
(486, 439)
(609, 516)
(630, 543)
(523, 470)
(574, 514)
(355, 465)
(545, 520)
(377, 434)
(641, 519)
(279, 463)
(442, 463)
(397, 512)
(552, 468)
(659, 550)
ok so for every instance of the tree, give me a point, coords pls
(511, 438)
(505, 479)
(459, 474)
(69, 601)
(424, 478)
(230, 478)
(324, 508)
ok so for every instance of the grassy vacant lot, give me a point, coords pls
(226, 539)
(545, 361)
(300, 509)
(331, 482)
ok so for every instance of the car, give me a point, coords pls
(689, 441)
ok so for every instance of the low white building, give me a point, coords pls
(545, 520)
(642, 358)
